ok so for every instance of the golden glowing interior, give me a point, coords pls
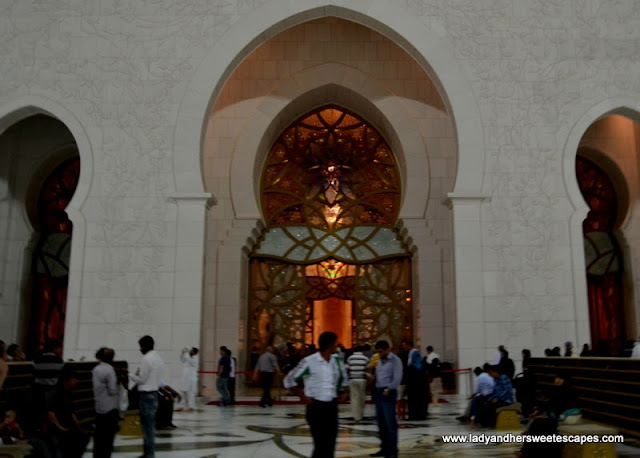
(333, 314)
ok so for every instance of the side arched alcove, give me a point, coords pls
(39, 136)
(606, 135)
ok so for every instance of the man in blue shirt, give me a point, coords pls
(501, 396)
(502, 388)
(388, 377)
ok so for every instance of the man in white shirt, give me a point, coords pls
(324, 378)
(635, 353)
(569, 350)
(189, 378)
(147, 378)
(431, 355)
(482, 390)
(435, 385)
(106, 393)
(231, 382)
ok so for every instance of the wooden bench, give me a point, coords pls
(15, 451)
(17, 388)
(608, 389)
(17, 394)
(588, 449)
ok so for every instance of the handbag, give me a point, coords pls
(570, 417)
(124, 399)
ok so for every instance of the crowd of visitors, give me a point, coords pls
(49, 420)
(398, 382)
(543, 406)
(403, 385)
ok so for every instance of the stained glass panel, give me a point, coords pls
(50, 263)
(603, 259)
(330, 170)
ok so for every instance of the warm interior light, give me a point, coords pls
(333, 314)
(331, 213)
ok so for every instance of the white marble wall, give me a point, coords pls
(136, 83)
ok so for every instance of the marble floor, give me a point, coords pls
(281, 431)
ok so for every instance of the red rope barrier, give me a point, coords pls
(215, 372)
(251, 372)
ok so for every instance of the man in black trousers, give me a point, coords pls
(106, 393)
(320, 397)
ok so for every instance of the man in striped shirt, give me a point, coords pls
(357, 366)
(47, 366)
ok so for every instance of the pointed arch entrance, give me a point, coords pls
(42, 176)
(330, 257)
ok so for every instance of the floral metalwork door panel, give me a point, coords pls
(281, 300)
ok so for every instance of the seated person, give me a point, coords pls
(10, 431)
(559, 398)
(15, 353)
(506, 364)
(11, 434)
(164, 414)
(543, 426)
(481, 392)
(502, 389)
(67, 437)
(525, 386)
(501, 396)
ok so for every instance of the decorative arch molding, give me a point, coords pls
(41, 171)
(19, 108)
(432, 52)
(618, 179)
(583, 117)
(310, 89)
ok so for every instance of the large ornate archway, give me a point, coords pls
(411, 123)
(330, 258)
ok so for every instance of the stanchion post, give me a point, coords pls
(458, 385)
